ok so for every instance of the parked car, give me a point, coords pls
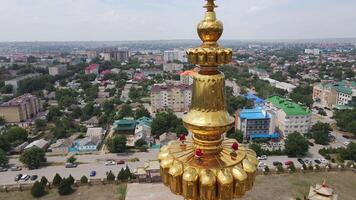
(261, 165)
(92, 173)
(110, 162)
(276, 163)
(34, 177)
(324, 161)
(346, 143)
(288, 163)
(301, 161)
(18, 177)
(317, 162)
(25, 177)
(71, 165)
(120, 162)
(263, 157)
(15, 168)
(306, 161)
(3, 169)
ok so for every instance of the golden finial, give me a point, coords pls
(208, 166)
(210, 5)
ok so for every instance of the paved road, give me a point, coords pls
(93, 162)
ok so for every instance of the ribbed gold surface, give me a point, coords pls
(217, 171)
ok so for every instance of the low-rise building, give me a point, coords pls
(61, 146)
(57, 70)
(187, 77)
(125, 126)
(96, 132)
(21, 108)
(171, 97)
(256, 100)
(281, 85)
(92, 69)
(150, 172)
(322, 192)
(42, 144)
(87, 144)
(290, 116)
(167, 137)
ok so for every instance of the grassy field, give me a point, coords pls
(98, 192)
(288, 187)
(276, 187)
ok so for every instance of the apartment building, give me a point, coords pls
(16, 81)
(187, 77)
(20, 109)
(176, 54)
(290, 116)
(334, 94)
(256, 123)
(172, 67)
(171, 97)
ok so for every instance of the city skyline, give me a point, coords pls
(124, 20)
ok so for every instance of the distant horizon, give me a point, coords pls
(155, 40)
(132, 20)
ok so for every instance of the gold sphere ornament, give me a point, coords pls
(207, 166)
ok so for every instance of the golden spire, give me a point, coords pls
(207, 166)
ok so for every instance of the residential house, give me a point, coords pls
(96, 132)
(61, 146)
(42, 144)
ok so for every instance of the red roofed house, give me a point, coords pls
(92, 69)
(139, 76)
(105, 72)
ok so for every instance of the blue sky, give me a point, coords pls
(104, 20)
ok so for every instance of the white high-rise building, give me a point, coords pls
(176, 54)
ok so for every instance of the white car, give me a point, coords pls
(324, 161)
(261, 165)
(24, 177)
(110, 162)
(346, 143)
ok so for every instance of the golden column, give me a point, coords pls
(207, 166)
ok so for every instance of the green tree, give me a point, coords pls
(141, 111)
(65, 187)
(38, 190)
(53, 113)
(110, 176)
(121, 175)
(117, 144)
(140, 143)
(33, 157)
(71, 159)
(237, 135)
(4, 143)
(302, 94)
(165, 122)
(40, 123)
(2, 121)
(349, 153)
(346, 120)
(296, 144)
(84, 180)
(44, 181)
(16, 135)
(57, 180)
(70, 179)
(125, 111)
(257, 148)
(320, 132)
(3, 158)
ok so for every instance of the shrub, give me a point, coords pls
(37, 190)
(266, 169)
(65, 187)
(304, 167)
(310, 167)
(317, 167)
(280, 168)
(333, 160)
(84, 179)
(57, 180)
(292, 168)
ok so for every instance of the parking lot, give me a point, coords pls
(90, 163)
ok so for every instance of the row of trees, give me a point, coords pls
(295, 145)
(346, 120)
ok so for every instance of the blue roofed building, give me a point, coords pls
(256, 123)
(256, 100)
(144, 121)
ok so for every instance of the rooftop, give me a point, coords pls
(254, 98)
(125, 124)
(19, 100)
(144, 121)
(256, 113)
(289, 107)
